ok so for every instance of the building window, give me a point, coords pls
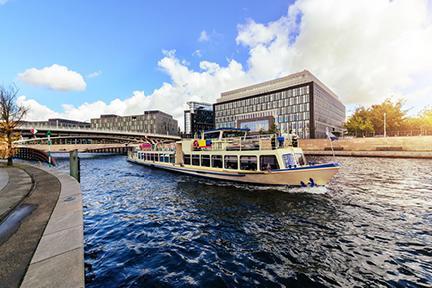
(196, 160)
(205, 160)
(216, 161)
(268, 162)
(231, 162)
(187, 159)
(248, 163)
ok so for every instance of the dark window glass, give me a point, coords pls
(299, 159)
(268, 162)
(205, 160)
(161, 157)
(187, 159)
(231, 162)
(195, 160)
(216, 161)
(248, 163)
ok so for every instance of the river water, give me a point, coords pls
(372, 226)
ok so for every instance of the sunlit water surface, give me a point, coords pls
(372, 226)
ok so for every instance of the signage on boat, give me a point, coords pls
(201, 143)
(145, 146)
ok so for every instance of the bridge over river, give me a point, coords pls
(65, 139)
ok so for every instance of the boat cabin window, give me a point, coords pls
(195, 160)
(268, 162)
(205, 160)
(248, 163)
(187, 159)
(212, 135)
(289, 160)
(300, 159)
(231, 162)
(161, 158)
(216, 161)
(233, 134)
(172, 158)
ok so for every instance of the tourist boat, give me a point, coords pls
(234, 155)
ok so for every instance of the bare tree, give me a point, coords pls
(11, 115)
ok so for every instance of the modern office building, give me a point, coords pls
(58, 123)
(155, 122)
(199, 117)
(298, 102)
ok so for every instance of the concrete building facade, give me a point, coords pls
(154, 121)
(199, 117)
(298, 102)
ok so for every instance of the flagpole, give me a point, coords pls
(331, 143)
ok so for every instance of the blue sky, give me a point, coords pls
(160, 54)
(122, 39)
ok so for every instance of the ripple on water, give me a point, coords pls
(372, 226)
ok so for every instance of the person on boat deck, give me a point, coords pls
(269, 167)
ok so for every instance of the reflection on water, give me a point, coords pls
(372, 226)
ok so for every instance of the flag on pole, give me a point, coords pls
(330, 135)
(33, 131)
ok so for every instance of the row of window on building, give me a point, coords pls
(293, 94)
(297, 104)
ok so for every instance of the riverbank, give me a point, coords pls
(378, 154)
(393, 147)
(41, 229)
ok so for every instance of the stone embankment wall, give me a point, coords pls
(59, 258)
(413, 143)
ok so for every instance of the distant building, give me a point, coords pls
(155, 122)
(298, 102)
(199, 117)
(58, 123)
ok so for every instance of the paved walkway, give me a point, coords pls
(4, 178)
(15, 184)
(21, 234)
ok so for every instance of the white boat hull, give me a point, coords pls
(309, 175)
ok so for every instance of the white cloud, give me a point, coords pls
(55, 77)
(364, 57)
(204, 37)
(365, 51)
(94, 74)
(197, 53)
(2, 2)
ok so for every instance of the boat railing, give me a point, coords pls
(250, 142)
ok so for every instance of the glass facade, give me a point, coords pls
(290, 109)
(305, 109)
(198, 118)
(256, 125)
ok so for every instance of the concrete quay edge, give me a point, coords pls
(59, 257)
(384, 154)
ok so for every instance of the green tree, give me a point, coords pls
(273, 129)
(395, 116)
(359, 124)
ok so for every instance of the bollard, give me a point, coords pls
(74, 165)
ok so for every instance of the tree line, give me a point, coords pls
(368, 121)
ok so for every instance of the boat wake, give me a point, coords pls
(319, 190)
